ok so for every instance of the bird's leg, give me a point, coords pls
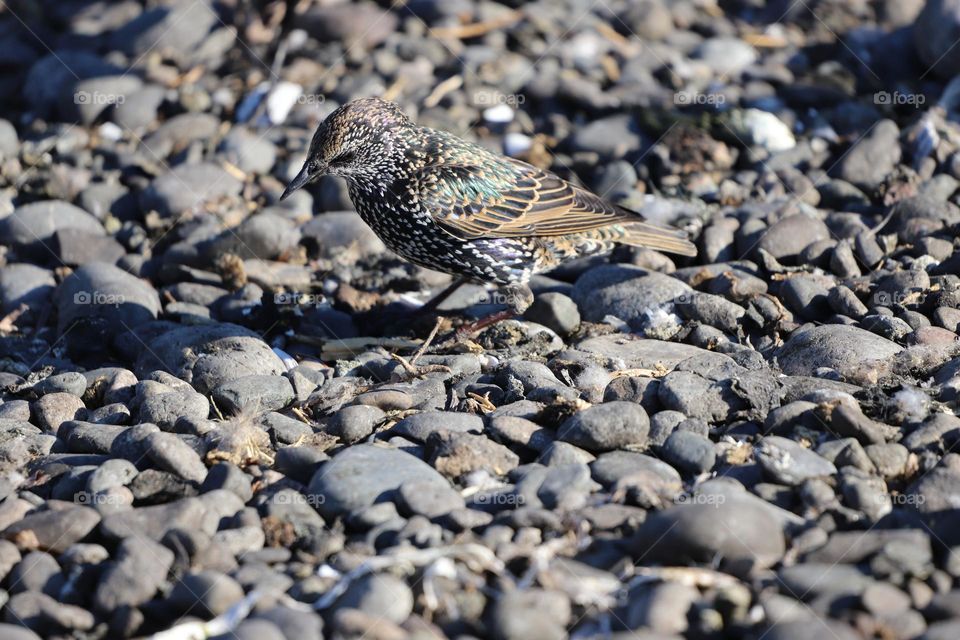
(431, 305)
(518, 297)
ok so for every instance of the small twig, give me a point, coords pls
(450, 84)
(426, 343)
(475, 29)
(8, 324)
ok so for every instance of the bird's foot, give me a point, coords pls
(518, 298)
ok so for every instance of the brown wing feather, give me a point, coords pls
(515, 199)
(512, 199)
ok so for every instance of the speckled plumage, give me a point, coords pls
(453, 206)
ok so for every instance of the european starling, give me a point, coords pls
(453, 206)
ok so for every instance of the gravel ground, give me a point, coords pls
(209, 412)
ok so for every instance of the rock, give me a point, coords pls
(187, 188)
(532, 613)
(842, 348)
(555, 311)
(661, 607)
(420, 426)
(787, 237)
(380, 594)
(165, 408)
(36, 571)
(174, 30)
(259, 392)
(207, 356)
(91, 97)
(25, 284)
(790, 463)
(455, 454)
(207, 593)
(713, 388)
(341, 233)
(363, 474)
(249, 151)
(154, 522)
(17, 632)
(934, 32)
(54, 529)
(741, 533)
(138, 109)
(354, 423)
(72, 383)
(607, 426)
(611, 137)
(36, 222)
(75, 247)
(266, 236)
(99, 301)
(172, 454)
(726, 56)
(361, 24)
(176, 133)
(41, 613)
(428, 499)
(872, 157)
(689, 452)
(628, 293)
(53, 409)
(131, 579)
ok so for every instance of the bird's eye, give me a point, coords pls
(346, 157)
(313, 166)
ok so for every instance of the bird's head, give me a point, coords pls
(354, 142)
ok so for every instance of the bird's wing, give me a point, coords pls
(511, 199)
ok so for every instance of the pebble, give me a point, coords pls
(788, 462)
(362, 474)
(607, 426)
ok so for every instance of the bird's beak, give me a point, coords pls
(303, 178)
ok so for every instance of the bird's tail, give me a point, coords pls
(644, 234)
